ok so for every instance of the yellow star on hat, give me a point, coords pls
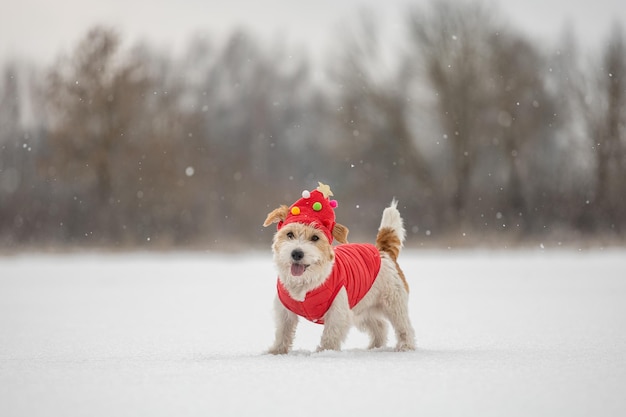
(324, 189)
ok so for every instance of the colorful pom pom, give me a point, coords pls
(295, 210)
(333, 203)
(306, 194)
(317, 206)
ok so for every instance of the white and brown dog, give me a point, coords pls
(359, 284)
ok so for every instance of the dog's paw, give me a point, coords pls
(327, 348)
(405, 346)
(278, 350)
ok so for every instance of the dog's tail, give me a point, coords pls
(391, 235)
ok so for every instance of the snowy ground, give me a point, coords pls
(499, 334)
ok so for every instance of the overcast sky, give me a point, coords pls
(40, 29)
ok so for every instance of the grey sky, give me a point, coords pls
(40, 29)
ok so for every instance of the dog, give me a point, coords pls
(337, 286)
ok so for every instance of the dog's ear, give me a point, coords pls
(340, 233)
(276, 215)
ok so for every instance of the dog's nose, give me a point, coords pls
(297, 254)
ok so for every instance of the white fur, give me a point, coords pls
(386, 300)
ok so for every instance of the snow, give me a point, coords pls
(530, 333)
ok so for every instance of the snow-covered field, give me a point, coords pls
(532, 333)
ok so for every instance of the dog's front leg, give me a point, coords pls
(337, 322)
(286, 323)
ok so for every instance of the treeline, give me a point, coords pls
(478, 130)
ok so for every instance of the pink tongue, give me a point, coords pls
(297, 270)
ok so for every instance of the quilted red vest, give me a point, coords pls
(356, 268)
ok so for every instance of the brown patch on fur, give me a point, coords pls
(277, 215)
(401, 273)
(340, 233)
(388, 241)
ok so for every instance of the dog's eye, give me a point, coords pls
(315, 238)
(290, 235)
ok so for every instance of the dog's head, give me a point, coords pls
(302, 245)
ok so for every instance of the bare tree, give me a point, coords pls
(379, 142)
(524, 117)
(10, 171)
(607, 112)
(494, 108)
(25, 202)
(97, 103)
(83, 131)
(254, 107)
(9, 103)
(454, 51)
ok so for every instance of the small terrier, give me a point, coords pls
(338, 286)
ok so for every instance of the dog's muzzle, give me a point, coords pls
(297, 255)
(297, 267)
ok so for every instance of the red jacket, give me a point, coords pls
(356, 268)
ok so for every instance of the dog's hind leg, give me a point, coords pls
(397, 311)
(337, 322)
(376, 328)
(286, 323)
